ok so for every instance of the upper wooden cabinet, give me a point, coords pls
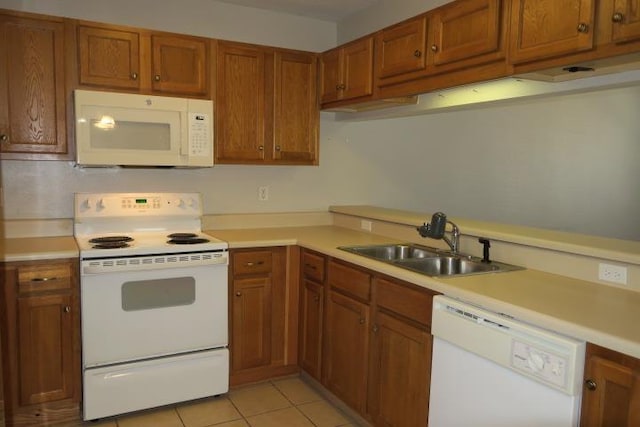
(611, 394)
(32, 88)
(400, 49)
(543, 29)
(266, 105)
(625, 18)
(139, 60)
(419, 54)
(346, 72)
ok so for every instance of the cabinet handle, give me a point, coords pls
(362, 320)
(252, 264)
(238, 294)
(434, 47)
(156, 77)
(316, 298)
(340, 86)
(617, 17)
(134, 76)
(260, 147)
(583, 28)
(591, 384)
(375, 329)
(43, 279)
(67, 309)
(4, 138)
(277, 148)
(311, 266)
(417, 53)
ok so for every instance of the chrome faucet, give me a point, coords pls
(436, 230)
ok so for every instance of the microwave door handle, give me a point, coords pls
(185, 138)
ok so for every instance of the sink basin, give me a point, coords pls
(429, 261)
(392, 252)
(447, 266)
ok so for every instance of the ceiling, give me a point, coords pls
(327, 10)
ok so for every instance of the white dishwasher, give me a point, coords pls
(489, 370)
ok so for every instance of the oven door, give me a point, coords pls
(134, 315)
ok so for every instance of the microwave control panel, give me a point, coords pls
(199, 137)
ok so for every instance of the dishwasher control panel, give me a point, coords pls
(539, 363)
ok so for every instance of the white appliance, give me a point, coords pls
(153, 302)
(490, 370)
(120, 129)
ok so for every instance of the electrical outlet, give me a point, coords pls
(365, 225)
(263, 194)
(612, 273)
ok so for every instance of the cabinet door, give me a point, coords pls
(251, 327)
(626, 20)
(179, 65)
(109, 57)
(357, 79)
(32, 89)
(612, 394)
(465, 29)
(45, 348)
(311, 342)
(400, 49)
(296, 110)
(330, 75)
(345, 350)
(240, 104)
(401, 360)
(543, 29)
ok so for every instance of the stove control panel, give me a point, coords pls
(114, 205)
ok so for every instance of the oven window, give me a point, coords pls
(158, 293)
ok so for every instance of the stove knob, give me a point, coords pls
(87, 204)
(193, 203)
(100, 205)
(179, 203)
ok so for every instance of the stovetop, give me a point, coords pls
(133, 224)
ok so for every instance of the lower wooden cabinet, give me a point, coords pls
(376, 352)
(262, 314)
(611, 396)
(41, 342)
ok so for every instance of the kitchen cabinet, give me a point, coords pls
(266, 106)
(611, 395)
(377, 345)
(32, 88)
(313, 267)
(259, 312)
(346, 72)
(41, 342)
(543, 29)
(346, 342)
(625, 18)
(456, 36)
(112, 57)
(400, 355)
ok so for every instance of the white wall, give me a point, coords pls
(568, 163)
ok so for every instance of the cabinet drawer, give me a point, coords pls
(256, 262)
(34, 278)
(406, 301)
(313, 266)
(349, 280)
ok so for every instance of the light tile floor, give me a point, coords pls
(283, 402)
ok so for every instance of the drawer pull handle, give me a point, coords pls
(238, 294)
(134, 76)
(4, 138)
(156, 77)
(44, 279)
(417, 53)
(591, 385)
(67, 309)
(252, 264)
(617, 17)
(583, 28)
(313, 267)
(434, 47)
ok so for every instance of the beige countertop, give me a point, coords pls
(601, 314)
(37, 248)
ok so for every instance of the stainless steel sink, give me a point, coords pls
(429, 261)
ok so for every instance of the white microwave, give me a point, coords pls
(119, 129)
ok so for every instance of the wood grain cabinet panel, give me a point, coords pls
(625, 20)
(40, 328)
(32, 89)
(346, 72)
(267, 110)
(312, 303)
(547, 28)
(142, 61)
(401, 48)
(611, 396)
